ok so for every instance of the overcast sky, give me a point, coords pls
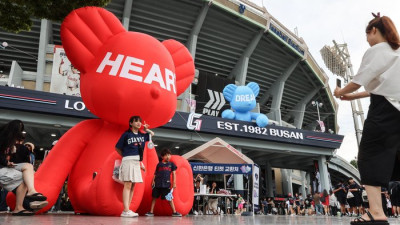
(319, 22)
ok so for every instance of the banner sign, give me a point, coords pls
(219, 168)
(65, 78)
(215, 125)
(43, 102)
(209, 98)
(65, 105)
(256, 187)
(286, 38)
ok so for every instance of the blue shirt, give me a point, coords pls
(129, 142)
(163, 174)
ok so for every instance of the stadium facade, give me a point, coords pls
(231, 41)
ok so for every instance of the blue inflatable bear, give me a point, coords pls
(243, 100)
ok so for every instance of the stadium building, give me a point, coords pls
(231, 41)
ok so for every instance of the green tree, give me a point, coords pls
(354, 163)
(15, 15)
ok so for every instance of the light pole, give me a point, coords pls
(3, 45)
(317, 104)
(337, 60)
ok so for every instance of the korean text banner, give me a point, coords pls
(217, 168)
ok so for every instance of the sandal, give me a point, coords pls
(36, 197)
(36, 205)
(23, 213)
(372, 221)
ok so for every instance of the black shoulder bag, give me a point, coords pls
(140, 148)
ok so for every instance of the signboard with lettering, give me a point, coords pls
(64, 105)
(220, 168)
(209, 98)
(43, 102)
(215, 125)
(256, 187)
(286, 38)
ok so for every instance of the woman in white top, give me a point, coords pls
(379, 74)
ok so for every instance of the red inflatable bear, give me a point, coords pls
(122, 74)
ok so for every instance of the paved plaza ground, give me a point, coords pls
(56, 219)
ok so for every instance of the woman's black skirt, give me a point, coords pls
(378, 156)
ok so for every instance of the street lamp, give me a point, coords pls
(318, 105)
(3, 45)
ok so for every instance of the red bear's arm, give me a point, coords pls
(184, 64)
(84, 31)
(52, 173)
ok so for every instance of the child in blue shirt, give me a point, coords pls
(161, 181)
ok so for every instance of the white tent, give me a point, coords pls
(217, 151)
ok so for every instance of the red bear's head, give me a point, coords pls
(125, 73)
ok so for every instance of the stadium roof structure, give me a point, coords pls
(230, 38)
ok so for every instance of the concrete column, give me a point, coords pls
(238, 179)
(126, 16)
(308, 180)
(239, 72)
(45, 27)
(323, 173)
(299, 116)
(183, 97)
(299, 109)
(238, 182)
(268, 180)
(303, 183)
(15, 78)
(276, 91)
(287, 181)
(191, 44)
(275, 112)
(289, 184)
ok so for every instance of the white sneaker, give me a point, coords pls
(130, 213)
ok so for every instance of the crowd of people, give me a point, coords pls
(345, 199)
(225, 203)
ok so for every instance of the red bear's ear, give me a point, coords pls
(184, 65)
(84, 31)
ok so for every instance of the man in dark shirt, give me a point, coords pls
(161, 181)
(355, 202)
(340, 193)
(308, 204)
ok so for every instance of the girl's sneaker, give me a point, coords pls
(130, 213)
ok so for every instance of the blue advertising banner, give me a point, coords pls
(218, 168)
